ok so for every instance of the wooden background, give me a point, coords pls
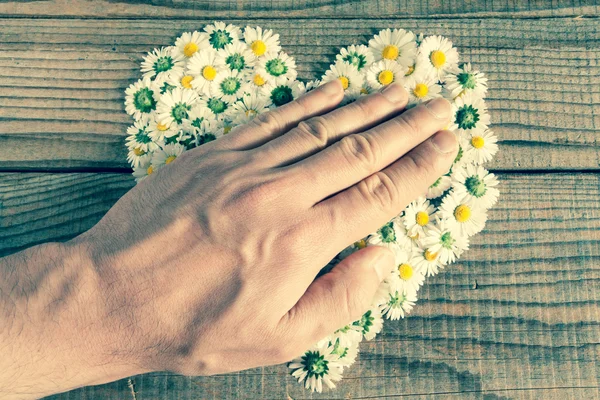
(519, 317)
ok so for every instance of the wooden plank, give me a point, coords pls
(518, 317)
(297, 8)
(61, 89)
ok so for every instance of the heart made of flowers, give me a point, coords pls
(222, 76)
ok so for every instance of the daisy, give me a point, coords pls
(442, 184)
(427, 261)
(161, 62)
(477, 185)
(217, 107)
(200, 119)
(139, 137)
(352, 81)
(448, 245)
(238, 56)
(469, 115)
(189, 43)
(411, 277)
(419, 67)
(220, 35)
(418, 216)
(175, 106)
(358, 56)
(257, 79)
(281, 93)
(347, 336)
(347, 355)
(166, 155)
(395, 45)
(439, 55)
(249, 107)
(317, 366)
(481, 146)
(466, 81)
(229, 86)
(205, 66)
(421, 88)
(461, 215)
(370, 323)
(159, 131)
(145, 168)
(261, 41)
(390, 235)
(399, 304)
(179, 79)
(384, 72)
(277, 68)
(141, 98)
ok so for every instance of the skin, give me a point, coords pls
(208, 266)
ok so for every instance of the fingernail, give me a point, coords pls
(439, 107)
(384, 263)
(445, 142)
(332, 88)
(394, 92)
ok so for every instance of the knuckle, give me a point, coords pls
(420, 166)
(269, 121)
(361, 148)
(408, 122)
(317, 129)
(379, 189)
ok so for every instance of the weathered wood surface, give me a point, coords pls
(62, 80)
(518, 317)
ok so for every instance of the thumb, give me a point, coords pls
(340, 296)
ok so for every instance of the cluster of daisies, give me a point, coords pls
(210, 81)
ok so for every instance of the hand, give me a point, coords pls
(208, 266)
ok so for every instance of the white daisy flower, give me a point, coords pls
(427, 261)
(248, 107)
(179, 79)
(317, 366)
(200, 120)
(399, 304)
(461, 215)
(281, 93)
(277, 68)
(347, 355)
(174, 107)
(159, 131)
(220, 35)
(395, 45)
(371, 323)
(384, 72)
(440, 55)
(205, 66)
(229, 86)
(481, 147)
(419, 67)
(411, 277)
(359, 56)
(477, 184)
(469, 115)
(257, 79)
(145, 168)
(347, 336)
(159, 63)
(139, 139)
(442, 184)
(166, 155)
(238, 57)
(418, 216)
(444, 242)
(189, 43)
(390, 235)
(261, 41)
(466, 80)
(141, 98)
(352, 81)
(217, 106)
(420, 88)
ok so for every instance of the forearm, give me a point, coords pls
(52, 337)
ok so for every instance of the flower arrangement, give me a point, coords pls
(210, 81)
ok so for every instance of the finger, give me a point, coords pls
(340, 296)
(383, 195)
(316, 133)
(359, 155)
(271, 124)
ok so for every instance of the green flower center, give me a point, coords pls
(163, 64)
(315, 364)
(447, 241)
(467, 117)
(236, 61)
(230, 85)
(358, 60)
(180, 111)
(142, 137)
(281, 95)
(207, 137)
(388, 235)
(475, 186)
(216, 106)
(143, 100)
(276, 67)
(219, 39)
(339, 351)
(396, 299)
(466, 80)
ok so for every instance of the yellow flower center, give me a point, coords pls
(190, 49)
(422, 218)
(186, 81)
(361, 244)
(477, 142)
(258, 47)
(258, 80)
(420, 90)
(227, 129)
(462, 213)
(411, 69)
(390, 52)
(161, 127)
(209, 72)
(406, 271)
(138, 152)
(344, 81)
(150, 170)
(385, 77)
(170, 159)
(429, 256)
(437, 58)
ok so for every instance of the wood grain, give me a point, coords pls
(62, 82)
(518, 317)
(296, 8)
